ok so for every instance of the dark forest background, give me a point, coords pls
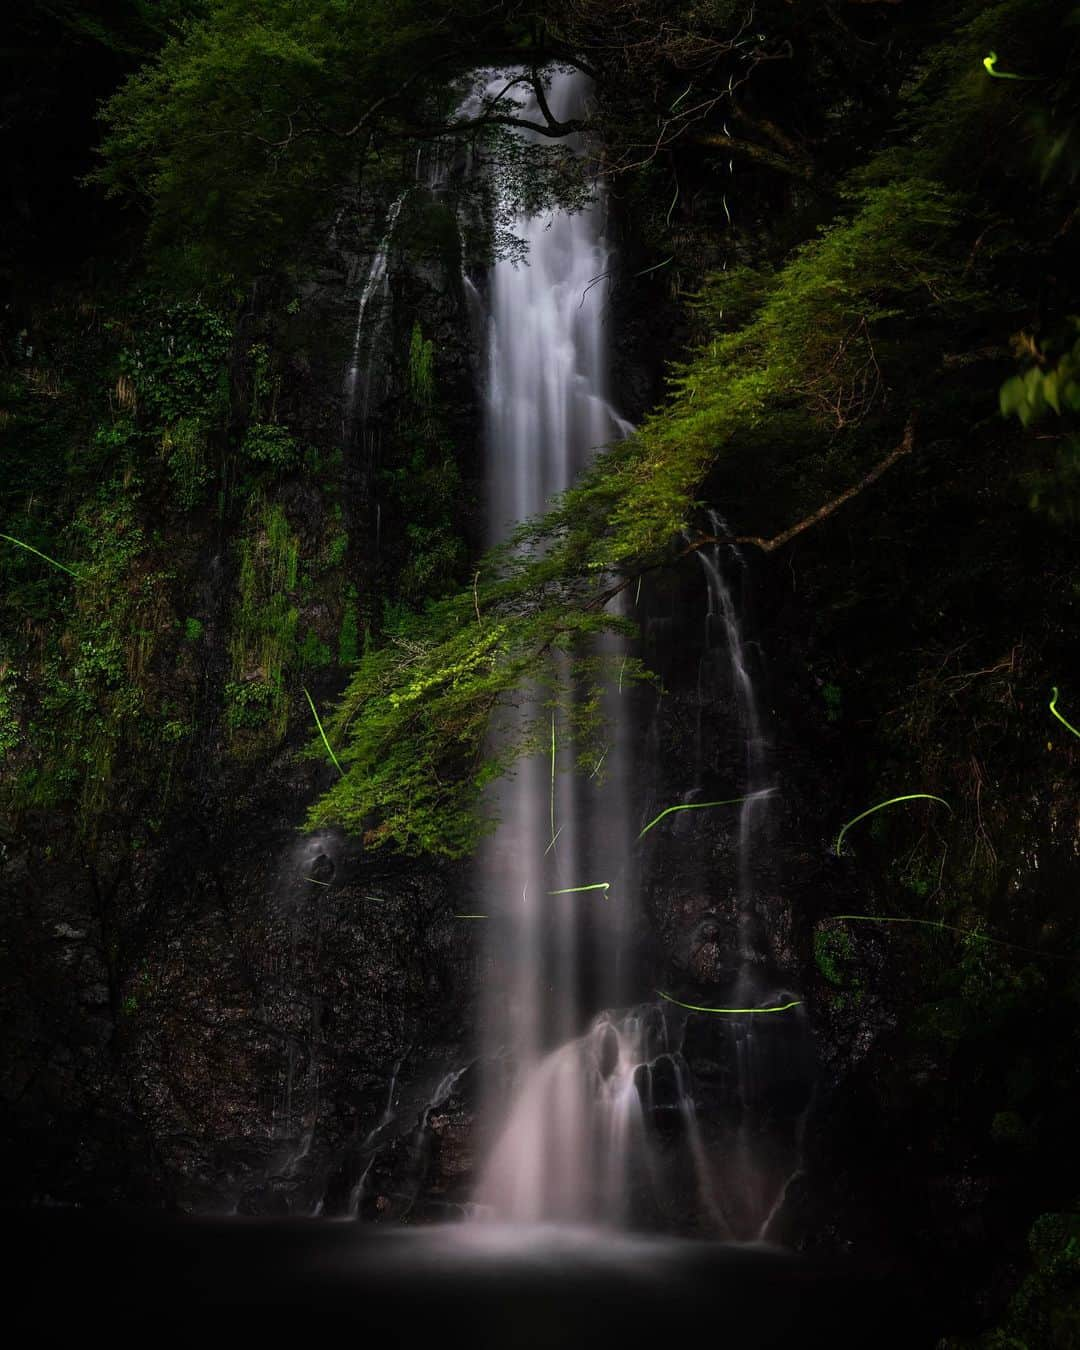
(847, 260)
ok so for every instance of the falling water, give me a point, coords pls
(601, 1124)
(576, 1129)
(376, 280)
(771, 1058)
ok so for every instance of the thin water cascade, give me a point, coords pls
(762, 1158)
(377, 279)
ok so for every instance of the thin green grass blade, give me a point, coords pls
(951, 928)
(554, 834)
(470, 916)
(1053, 709)
(329, 751)
(908, 797)
(573, 890)
(31, 549)
(315, 881)
(692, 806)
(730, 1012)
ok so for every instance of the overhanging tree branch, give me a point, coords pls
(822, 513)
(760, 153)
(757, 541)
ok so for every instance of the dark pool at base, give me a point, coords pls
(77, 1271)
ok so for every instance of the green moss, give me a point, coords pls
(808, 354)
(834, 953)
(314, 653)
(349, 633)
(421, 367)
(262, 641)
(10, 730)
(92, 685)
(183, 446)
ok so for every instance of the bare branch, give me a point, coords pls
(760, 153)
(822, 513)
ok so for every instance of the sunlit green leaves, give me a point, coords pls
(1050, 386)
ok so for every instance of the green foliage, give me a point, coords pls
(176, 361)
(193, 630)
(10, 731)
(251, 706)
(336, 548)
(262, 642)
(184, 447)
(422, 488)
(235, 134)
(270, 444)
(418, 709)
(1044, 1313)
(314, 653)
(834, 952)
(421, 367)
(90, 694)
(264, 386)
(349, 633)
(1051, 385)
(118, 441)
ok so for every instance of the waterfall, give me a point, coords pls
(547, 409)
(591, 1082)
(770, 1058)
(376, 280)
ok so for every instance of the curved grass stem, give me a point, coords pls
(314, 713)
(951, 928)
(730, 1012)
(31, 549)
(698, 806)
(1053, 709)
(907, 797)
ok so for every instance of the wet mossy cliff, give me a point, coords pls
(854, 234)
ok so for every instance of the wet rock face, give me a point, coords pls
(243, 1039)
(211, 1010)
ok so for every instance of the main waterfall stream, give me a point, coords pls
(572, 1129)
(590, 1076)
(601, 1116)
